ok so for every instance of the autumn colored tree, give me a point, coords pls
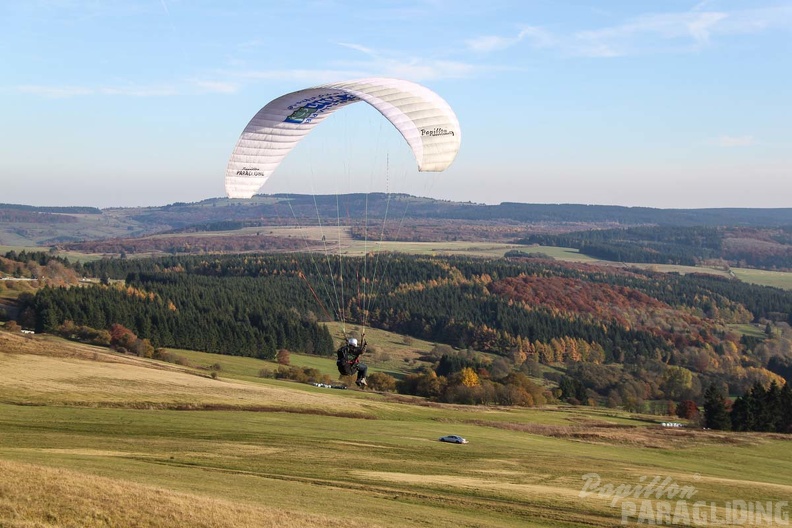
(431, 385)
(677, 382)
(687, 410)
(283, 357)
(12, 326)
(142, 348)
(381, 382)
(468, 377)
(122, 338)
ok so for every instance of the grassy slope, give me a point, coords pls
(777, 279)
(87, 435)
(387, 353)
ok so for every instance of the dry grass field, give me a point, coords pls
(40, 370)
(89, 437)
(36, 496)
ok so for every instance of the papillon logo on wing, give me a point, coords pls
(312, 107)
(249, 171)
(433, 132)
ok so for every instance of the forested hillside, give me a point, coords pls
(413, 218)
(620, 335)
(764, 248)
(381, 205)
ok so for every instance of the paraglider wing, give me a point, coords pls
(423, 118)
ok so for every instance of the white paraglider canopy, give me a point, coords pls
(423, 118)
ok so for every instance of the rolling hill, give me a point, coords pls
(91, 438)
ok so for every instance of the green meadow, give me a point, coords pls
(777, 279)
(89, 437)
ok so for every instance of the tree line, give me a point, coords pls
(233, 315)
(764, 409)
(764, 248)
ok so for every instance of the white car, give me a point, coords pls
(454, 439)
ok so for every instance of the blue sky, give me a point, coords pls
(662, 104)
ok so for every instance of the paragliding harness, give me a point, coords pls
(349, 357)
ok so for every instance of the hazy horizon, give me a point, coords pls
(416, 196)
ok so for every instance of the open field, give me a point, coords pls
(339, 237)
(13, 289)
(667, 268)
(93, 438)
(777, 279)
(6, 249)
(73, 256)
(560, 253)
(752, 330)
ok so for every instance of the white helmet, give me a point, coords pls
(352, 342)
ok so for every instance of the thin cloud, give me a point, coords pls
(537, 36)
(424, 69)
(696, 28)
(753, 21)
(374, 63)
(702, 5)
(357, 47)
(733, 141)
(411, 69)
(491, 43)
(647, 33)
(222, 87)
(394, 64)
(64, 92)
(142, 91)
(650, 33)
(307, 76)
(390, 64)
